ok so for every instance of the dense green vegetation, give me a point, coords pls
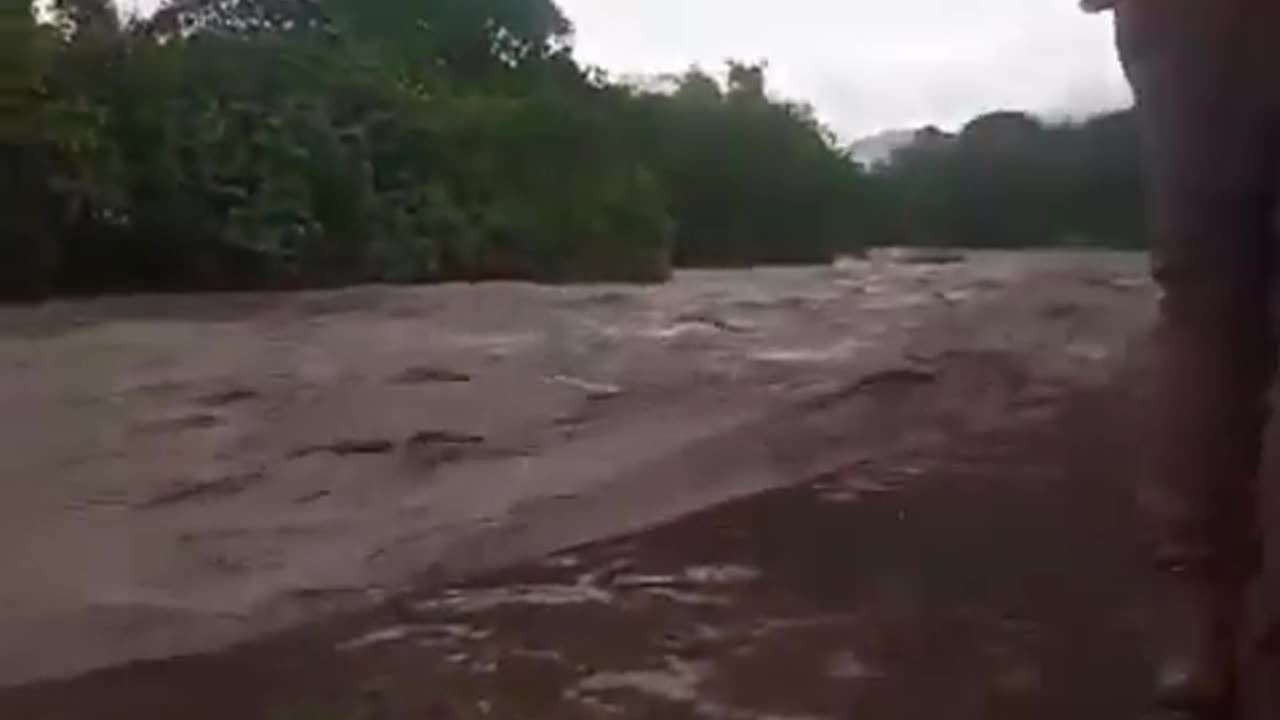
(1010, 180)
(281, 143)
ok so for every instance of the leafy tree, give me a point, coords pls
(1011, 180)
(751, 180)
(26, 253)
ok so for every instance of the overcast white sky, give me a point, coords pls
(870, 65)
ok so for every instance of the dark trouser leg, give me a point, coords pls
(1210, 188)
(1212, 366)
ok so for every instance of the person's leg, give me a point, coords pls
(1210, 188)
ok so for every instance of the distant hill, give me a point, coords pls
(878, 148)
(990, 131)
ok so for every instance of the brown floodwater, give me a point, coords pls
(995, 579)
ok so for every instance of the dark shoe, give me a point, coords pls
(1198, 669)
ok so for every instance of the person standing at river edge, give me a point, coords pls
(1209, 110)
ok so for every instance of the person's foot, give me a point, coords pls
(1197, 672)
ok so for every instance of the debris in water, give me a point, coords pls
(377, 637)
(229, 397)
(438, 447)
(719, 323)
(342, 448)
(481, 600)
(219, 487)
(594, 390)
(422, 375)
